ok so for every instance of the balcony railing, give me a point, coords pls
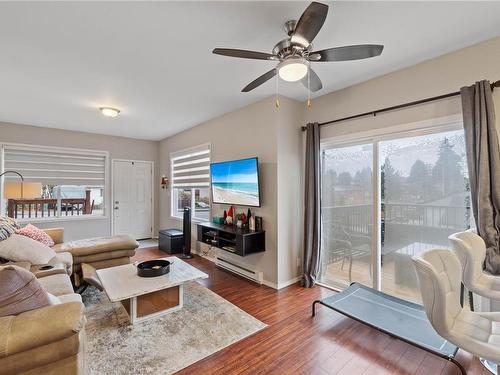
(49, 207)
(358, 218)
(401, 224)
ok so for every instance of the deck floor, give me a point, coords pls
(401, 285)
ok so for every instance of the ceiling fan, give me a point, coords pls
(295, 54)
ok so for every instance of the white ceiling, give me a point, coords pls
(60, 61)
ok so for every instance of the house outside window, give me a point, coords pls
(73, 182)
(190, 171)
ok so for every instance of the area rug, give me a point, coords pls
(206, 324)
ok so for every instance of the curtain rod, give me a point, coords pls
(399, 106)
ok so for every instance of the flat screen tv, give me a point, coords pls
(236, 182)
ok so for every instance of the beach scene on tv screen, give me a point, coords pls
(235, 182)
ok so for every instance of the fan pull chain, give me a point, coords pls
(277, 102)
(308, 87)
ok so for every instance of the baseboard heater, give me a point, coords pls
(256, 276)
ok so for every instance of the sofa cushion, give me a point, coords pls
(54, 358)
(57, 234)
(25, 265)
(58, 284)
(8, 226)
(20, 248)
(36, 234)
(41, 327)
(75, 297)
(20, 291)
(97, 245)
(53, 299)
(64, 258)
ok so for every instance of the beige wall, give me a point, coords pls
(433, 77)
(118, 148)
(247, 132)
(250, 131)
(290, 197)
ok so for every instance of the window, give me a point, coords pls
(190, 171)
(422, 197)
(73, 182)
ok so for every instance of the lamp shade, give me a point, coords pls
(25, 190)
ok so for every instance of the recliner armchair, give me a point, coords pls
(99, 252)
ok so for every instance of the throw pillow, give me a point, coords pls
(8, 226)
(20, 291)
(36, 234)
(23, 249)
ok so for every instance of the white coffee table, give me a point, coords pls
(148, 297)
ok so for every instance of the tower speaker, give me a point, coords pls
(186, 254)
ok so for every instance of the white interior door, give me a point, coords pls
(132, 198)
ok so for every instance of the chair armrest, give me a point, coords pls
(57, 234)
(40, 327)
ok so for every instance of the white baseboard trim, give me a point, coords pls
(281, 285)
(264, 282)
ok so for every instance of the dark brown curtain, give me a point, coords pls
(483, 159)
(312, 208)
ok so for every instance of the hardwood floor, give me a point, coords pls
(296, 343)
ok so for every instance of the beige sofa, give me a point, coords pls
(49, 340)
(99, 252)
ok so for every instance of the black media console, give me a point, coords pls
(239, 241)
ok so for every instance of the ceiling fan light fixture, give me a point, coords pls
(293, 69)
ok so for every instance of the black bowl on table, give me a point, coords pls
(153, 268)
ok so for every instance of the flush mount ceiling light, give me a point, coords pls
(293, 69)
(109, 112)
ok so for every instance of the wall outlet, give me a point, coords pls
(299, 262)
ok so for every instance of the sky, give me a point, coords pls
(402, 152)
(242, 171)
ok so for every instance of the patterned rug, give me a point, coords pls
(206, 324)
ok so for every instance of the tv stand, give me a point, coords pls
(239, 241)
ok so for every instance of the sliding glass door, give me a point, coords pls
(347, 210)
(421, 196)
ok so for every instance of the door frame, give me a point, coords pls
(153, 198)
(374, 137)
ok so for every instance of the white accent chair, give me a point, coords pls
(471, 251)
(439, 274)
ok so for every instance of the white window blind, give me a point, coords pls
(191, 168)
(54, 166)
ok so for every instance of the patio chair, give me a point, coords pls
(344, 245)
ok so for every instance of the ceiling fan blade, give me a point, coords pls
(310, 23)
(314, 82)
(358, 52)
(259, 81)
(244, 54)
